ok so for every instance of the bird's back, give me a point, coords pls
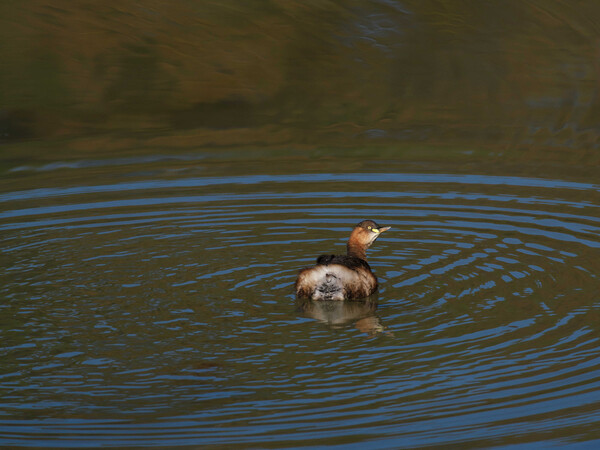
(336, 277)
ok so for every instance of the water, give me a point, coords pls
(148, 301)
(167, 168)
(519, 72)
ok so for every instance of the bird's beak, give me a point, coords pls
(382, 229)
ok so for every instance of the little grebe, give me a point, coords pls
(343, 277)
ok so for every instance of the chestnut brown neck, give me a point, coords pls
(355, 247)
(357, 250)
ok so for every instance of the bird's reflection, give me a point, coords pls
(339, 314)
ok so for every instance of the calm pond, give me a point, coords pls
(149, 301)
(148, 261)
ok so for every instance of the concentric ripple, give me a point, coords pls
(160, 312)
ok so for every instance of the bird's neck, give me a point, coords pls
(357, 250)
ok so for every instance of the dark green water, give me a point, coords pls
(167, 170)
(149, 301)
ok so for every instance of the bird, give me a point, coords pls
(343, 277)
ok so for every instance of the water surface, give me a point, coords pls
(167, 168)
(149, 301)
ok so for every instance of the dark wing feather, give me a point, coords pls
(351, 262)
(325, 259)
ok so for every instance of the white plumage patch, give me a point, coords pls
(335, 282)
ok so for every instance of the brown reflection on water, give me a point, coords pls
(277, 72)
(337, 315)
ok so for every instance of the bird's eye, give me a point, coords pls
(369, 227)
